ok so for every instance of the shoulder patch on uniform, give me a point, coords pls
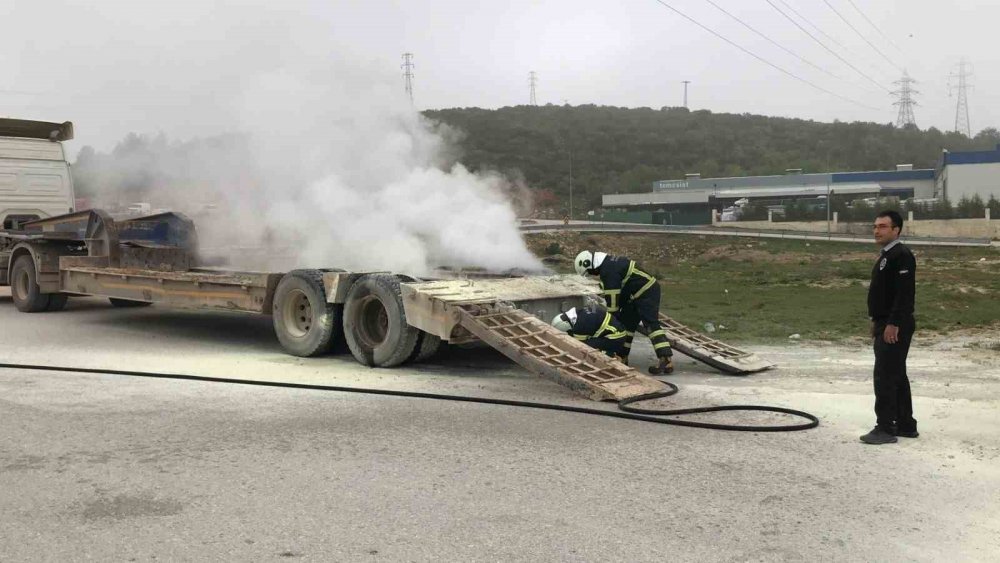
(881, 265)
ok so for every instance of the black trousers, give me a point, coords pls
(645, 310)
(893, 403)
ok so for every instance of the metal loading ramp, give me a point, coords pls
(553, 354)
(710, 351)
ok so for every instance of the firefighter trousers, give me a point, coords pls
(645, 310)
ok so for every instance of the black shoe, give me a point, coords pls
(665, 366)
(878, 436)
(907, 433)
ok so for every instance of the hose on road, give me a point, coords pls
(627, 411)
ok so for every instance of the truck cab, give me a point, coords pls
(35, 179)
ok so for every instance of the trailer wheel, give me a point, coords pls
(118, 302)
(303, 321)
(375, 325)
(27, 296)
(428, 345)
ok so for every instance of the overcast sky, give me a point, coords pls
(115, 66)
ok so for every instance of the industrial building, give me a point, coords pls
(967, 174)
(691, 201)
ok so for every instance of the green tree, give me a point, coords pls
(623, 150)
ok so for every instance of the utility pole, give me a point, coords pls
(828, 205)
(532, 80)
(962, 124)
(407, 67)
(571, 183)
(686, 82)
(905, 101)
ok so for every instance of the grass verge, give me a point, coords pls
(769, 289)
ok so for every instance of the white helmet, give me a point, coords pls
(565, 321)
(587, 260)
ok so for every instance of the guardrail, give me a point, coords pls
(584, 226)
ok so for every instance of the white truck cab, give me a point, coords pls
(35, 179)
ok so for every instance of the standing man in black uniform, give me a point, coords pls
(633, 296)
(596, 327)
(890, 307)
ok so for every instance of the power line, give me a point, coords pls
(761, 59)
(821, 44)
(780, 46)
(850, 25)
(790, 8)
(870, 22)
(808, 22)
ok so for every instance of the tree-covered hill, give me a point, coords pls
(614, 149)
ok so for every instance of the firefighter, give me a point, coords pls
(597, 328)
(633, 296)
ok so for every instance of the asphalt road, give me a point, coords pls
(98, 467)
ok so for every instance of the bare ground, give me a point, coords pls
(703, 495)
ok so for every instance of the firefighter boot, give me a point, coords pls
(663, 367)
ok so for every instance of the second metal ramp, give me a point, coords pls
(554, 355)
(710, 351)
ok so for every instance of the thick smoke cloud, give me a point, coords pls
(329, 166)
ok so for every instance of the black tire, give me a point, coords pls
(27, 296)
(117, 302)
(427, 346)
(375, 325)
(338, 344)
(304, 322)
(57, 301)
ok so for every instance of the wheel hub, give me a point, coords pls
(374, 325)
(297, 313)
(21, 284)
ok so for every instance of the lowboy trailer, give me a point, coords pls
(386, 319)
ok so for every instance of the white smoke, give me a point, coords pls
(338, 170)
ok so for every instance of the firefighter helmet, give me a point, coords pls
(588, 261)
(565, 321)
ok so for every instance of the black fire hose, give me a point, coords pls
(624, 405)
(629, 412)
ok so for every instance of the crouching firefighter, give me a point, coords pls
(633, 296)
(596, 328)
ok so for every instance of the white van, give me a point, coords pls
(35, 179)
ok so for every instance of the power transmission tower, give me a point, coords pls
(407, 67)
(905, 101)
(962, 124)
(686, 82)
(532, 80)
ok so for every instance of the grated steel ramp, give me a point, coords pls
(710, 351)
(554, 355)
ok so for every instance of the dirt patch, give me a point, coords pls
(838, 283)
(966, 289)
(561, 247)
(748, 253)
(855, 256)
(654, 249)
